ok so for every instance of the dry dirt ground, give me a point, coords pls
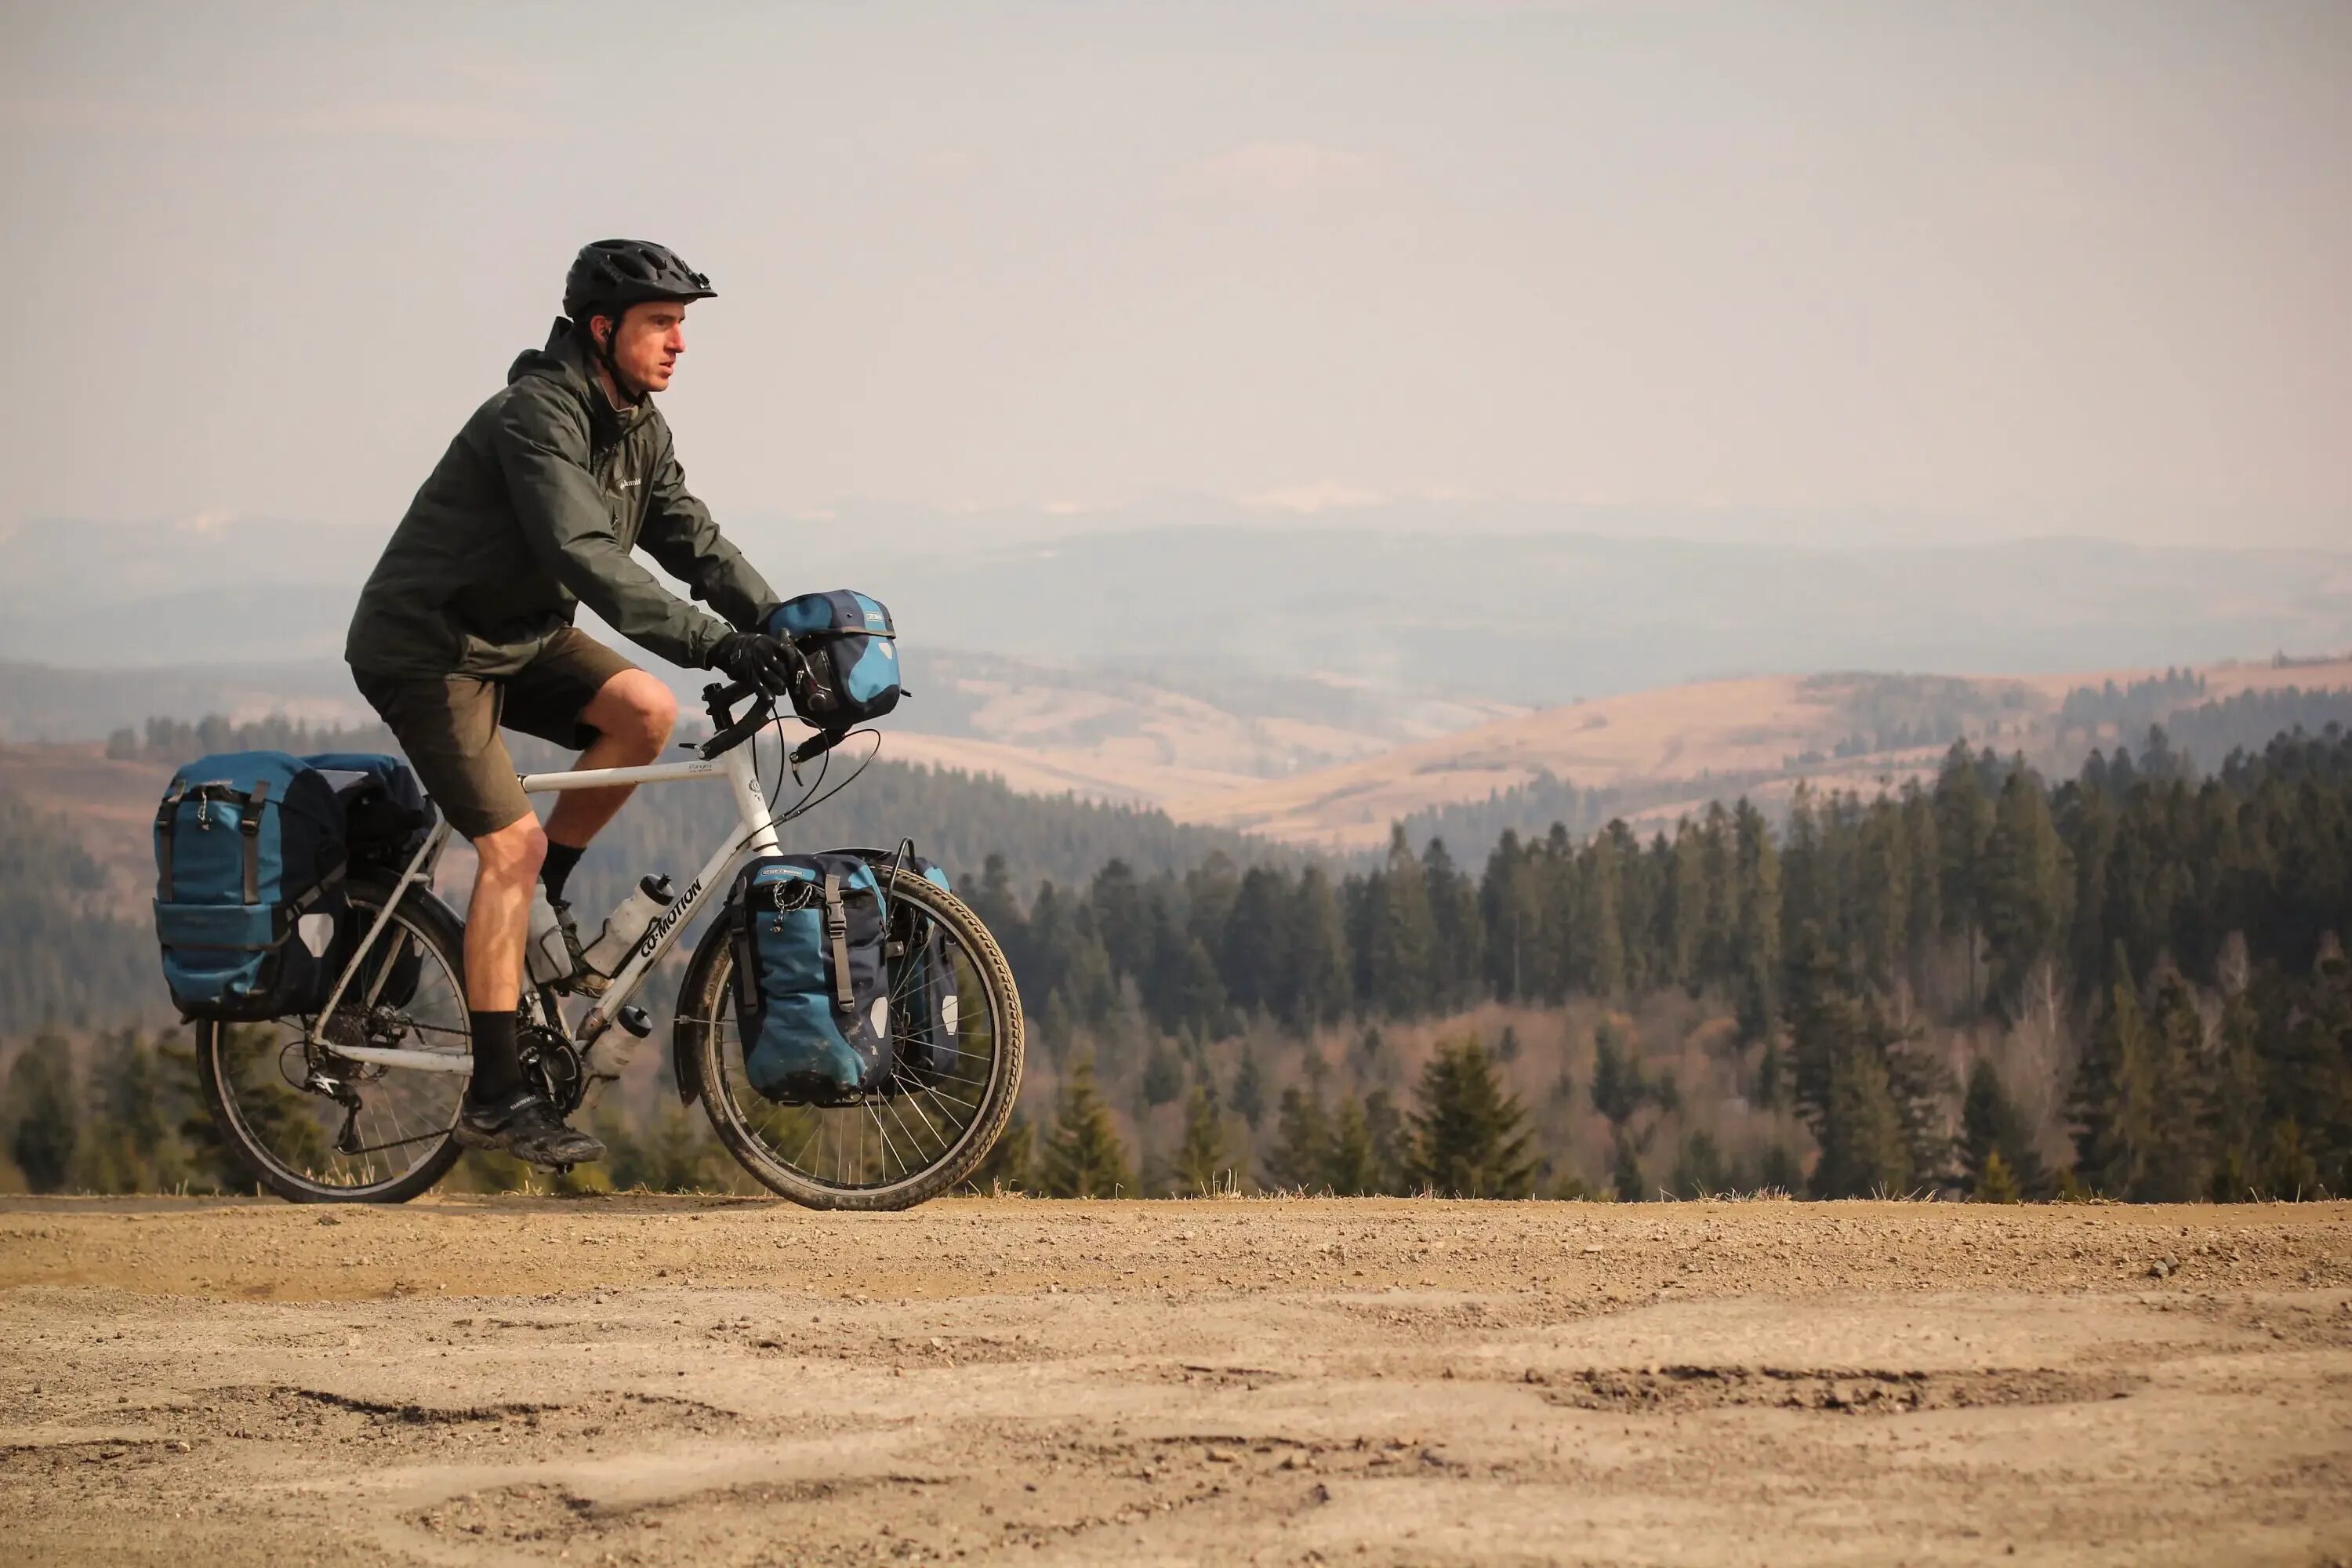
(714, 1382)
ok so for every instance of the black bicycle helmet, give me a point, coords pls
(612, 275)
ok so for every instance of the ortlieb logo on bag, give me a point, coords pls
(811, 994)
(249, 854)
(852, 660)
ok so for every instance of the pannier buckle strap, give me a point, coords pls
(251, 828)
(836, 933)
(167, 820)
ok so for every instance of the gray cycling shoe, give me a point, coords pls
(525, 1126)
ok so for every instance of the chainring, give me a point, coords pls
(552, 1066)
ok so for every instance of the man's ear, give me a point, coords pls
(600, 339)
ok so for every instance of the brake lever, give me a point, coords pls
(741, 730)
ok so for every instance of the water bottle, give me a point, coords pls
(626, 926)
(545, 955)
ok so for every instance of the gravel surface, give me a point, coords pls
(717, 1382)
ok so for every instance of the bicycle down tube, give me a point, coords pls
(758, 838)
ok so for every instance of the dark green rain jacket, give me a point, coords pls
(534, 511)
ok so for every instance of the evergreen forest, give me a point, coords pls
(2128, 982)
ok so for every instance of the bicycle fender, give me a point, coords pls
(686, 1033)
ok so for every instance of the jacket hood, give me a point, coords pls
(565, 361)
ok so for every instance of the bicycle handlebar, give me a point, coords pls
(729, 732)
(726, 731)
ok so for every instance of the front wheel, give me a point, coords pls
(315, 1126)
(926, 1129)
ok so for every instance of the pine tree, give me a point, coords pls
(1757, 937)
(1163, 1073)
(1862, 1147)
(1924, 853)
(1618, 1089)
(2109, 1105)
(1992, 1129)
(1698, 1168)
(1202, 1158)
(2172, 1167)
(1597, 965)
(1353, 1169)
(1302, 1151)
(128, 1144)
(1995, 1183)
(1457, 956)
(1391, 1139)
(1257, 964)
(1684, 914)
(1083, 1157)
(1403, 940)
(1883, 894)
(1007, 1166)
(1249, 1089)
(1963, 824)
(2021, 889)
(1625, 1169)
(46, 1120)
(1469, 1139)
(1317, 989)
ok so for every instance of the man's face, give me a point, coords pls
(647, 342)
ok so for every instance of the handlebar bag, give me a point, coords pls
(852, 654)
(811, 992)
(249, 859)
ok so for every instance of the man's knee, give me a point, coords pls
(636, 708)
(515, 852)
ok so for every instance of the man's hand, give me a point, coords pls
(755, 658)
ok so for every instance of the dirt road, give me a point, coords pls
(646, 1380)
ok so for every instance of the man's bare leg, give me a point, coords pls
(497, 922)
(633, 714)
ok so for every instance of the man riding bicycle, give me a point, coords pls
(465, 625)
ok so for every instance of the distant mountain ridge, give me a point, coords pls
(1437, 609)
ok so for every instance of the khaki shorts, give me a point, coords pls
(449, 728)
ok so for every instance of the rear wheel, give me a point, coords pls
(313, 1125)
(925, 1130)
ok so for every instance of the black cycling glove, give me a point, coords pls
(753, 658)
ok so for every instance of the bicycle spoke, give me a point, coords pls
(934, 1092)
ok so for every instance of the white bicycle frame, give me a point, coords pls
(758, 838)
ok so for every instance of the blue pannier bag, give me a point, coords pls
(249, 856)
(852, 655)
(811, 992)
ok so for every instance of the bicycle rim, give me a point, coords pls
(925, 1131)
(388, 1138)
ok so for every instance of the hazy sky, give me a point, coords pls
(2026, 267)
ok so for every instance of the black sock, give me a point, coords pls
(498, 1071)
(556, 869)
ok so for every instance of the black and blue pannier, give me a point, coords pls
(811, 988)
(385, 814)
(249, 856)
(921, 981)
(852, 655)
(385, 818)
